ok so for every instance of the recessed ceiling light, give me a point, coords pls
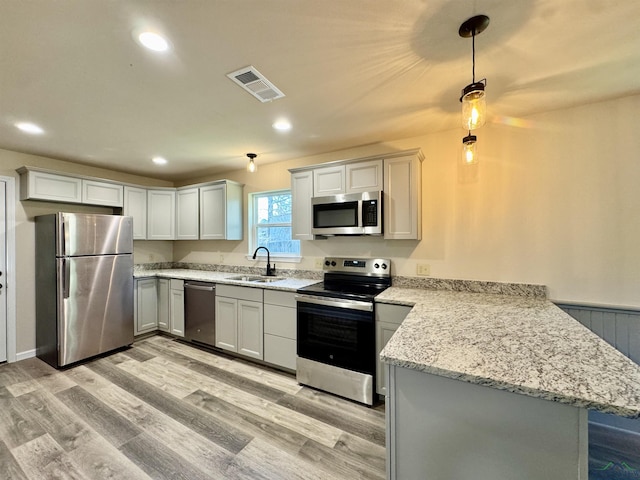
(28, 127)
(153, 41)
(282, 125)
(159, 160)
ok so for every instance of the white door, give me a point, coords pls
(3, 273)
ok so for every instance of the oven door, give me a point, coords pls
(337, 332)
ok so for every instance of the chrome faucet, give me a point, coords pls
(271, 271)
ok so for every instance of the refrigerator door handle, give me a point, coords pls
(67, 273)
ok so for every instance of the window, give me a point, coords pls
(270, 224)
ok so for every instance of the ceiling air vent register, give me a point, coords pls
(256, 84)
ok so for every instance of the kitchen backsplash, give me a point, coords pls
(472, 286)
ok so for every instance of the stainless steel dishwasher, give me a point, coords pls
(200, 312)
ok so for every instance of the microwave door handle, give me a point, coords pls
(360, 215)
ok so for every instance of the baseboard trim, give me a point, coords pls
(26, 354)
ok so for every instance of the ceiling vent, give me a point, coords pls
(256, 84)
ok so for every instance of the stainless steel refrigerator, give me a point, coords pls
(84, 286)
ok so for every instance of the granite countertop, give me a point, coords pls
(524, 345)
(286, 284)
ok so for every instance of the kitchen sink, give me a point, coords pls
(255, 278)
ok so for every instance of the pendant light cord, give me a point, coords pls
(473, 56)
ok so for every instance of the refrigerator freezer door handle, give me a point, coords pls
(67, 274)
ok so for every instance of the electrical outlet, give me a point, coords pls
(151, 257)
(221, 259)
(319, 263)
(423, 269)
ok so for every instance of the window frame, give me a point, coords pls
(252, 224)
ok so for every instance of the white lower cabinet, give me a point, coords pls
(239, 320)
(145, 306)
(159, 305)
(176, 307)
(280, 328)
(388, 319)
(163, 305)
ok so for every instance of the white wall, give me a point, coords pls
(553, 201)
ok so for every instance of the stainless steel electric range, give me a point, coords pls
(336, 327)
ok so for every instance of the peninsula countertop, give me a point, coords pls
(514, 343)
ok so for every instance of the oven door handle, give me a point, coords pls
(338, 303)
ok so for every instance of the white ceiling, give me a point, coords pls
(354, 72)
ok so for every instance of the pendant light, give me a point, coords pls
(251, 166)
(469, 150)
(473, 97)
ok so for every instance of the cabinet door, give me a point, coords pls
(384, 332)
(146, 306)
(135, 205)
(250, 329)
(402, 198)
(227, 323)
(176, 307)
(161, 218)
(187, 214)
(328, 181)
(364, 176)
(301, 213)
(47, 186)
(213, 212)
(163, 304)
(102, 193)
(280, 351)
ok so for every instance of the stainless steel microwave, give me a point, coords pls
(348, 214)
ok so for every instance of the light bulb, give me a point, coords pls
(251, 166)
(474, 107)
(469, 150)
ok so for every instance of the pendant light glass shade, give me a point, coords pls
(469, 150)
(474, 106)
(251, 166)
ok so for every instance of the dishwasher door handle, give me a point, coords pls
(198, 287)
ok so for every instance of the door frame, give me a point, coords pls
(10, 274)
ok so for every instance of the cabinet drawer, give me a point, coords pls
(277, 297)
(241, 293)
(280, 351)
(393, 314)
(280, 321)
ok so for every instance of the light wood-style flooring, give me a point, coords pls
(166, 410)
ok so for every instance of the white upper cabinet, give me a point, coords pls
(161, 217)
(402, 203)
(328, 181)
(102, 193)
(221, 211)
(353, 177)
(36, 185)
(187, 214)
(364, 176)
(301, 193)
(135, 205)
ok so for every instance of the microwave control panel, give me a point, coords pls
(370, 213)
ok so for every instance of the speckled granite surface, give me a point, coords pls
(519, 344)
(472, 286)
(286, 284)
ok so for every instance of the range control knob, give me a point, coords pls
(327, 263)
(376, 265)
(333, 263)
(384, 266)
